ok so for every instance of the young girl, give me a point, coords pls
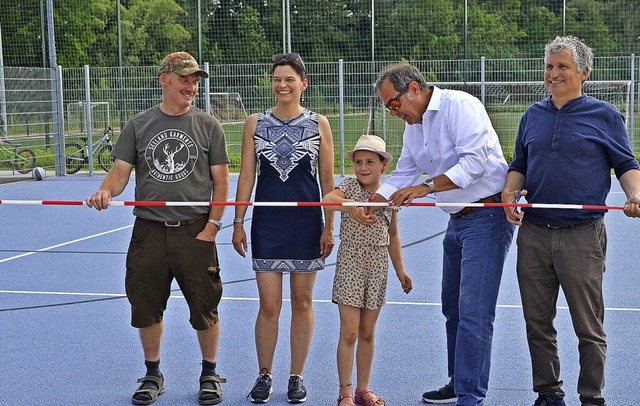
(360, 283)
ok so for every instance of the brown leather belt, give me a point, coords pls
(468, 209)
(180, 223)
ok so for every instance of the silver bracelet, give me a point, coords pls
(238, 220)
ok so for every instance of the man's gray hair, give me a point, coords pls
(582, 54)
(400, 75)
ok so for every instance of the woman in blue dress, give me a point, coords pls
(288, 147)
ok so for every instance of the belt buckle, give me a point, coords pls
(465, 210)
(172, 224)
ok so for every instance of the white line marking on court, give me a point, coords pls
(28, 292)
(255, 299)
(64, 243)
(71, 242)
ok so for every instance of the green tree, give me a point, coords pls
(272, 20)
(220, 31)
(356, 28)
(104, 50)
(509, 10)
(490, 34)
(317, 29)
(412, 32)
(585, 20)
(21, 35)
(155, 30)
(624, 14)
(249, 44)
(539, 25)
(74, 31)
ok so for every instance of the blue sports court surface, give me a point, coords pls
(65, 337)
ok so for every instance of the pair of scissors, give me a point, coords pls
(518, 196)
(367, 209)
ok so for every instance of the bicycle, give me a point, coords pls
(17, 158)
(78, 155)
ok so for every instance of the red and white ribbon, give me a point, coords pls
(312, 204)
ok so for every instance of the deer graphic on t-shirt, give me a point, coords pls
(169, 165)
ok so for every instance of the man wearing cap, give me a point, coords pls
(449, 136)
(179, 154)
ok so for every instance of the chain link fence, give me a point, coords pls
(49, 97)
(45, 115)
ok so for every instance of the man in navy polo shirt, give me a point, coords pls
(566, 146)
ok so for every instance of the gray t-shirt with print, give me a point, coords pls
(172, 156)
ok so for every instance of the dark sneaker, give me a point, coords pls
(262, 390)
(547, 401)
(296, 392)
(442, 395)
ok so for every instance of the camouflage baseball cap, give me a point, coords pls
(181, 63)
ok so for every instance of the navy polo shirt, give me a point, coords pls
(567, 154)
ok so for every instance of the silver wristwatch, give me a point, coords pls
(429, 183)
(216, 223)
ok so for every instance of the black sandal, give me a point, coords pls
(150, 388)
(210, 390)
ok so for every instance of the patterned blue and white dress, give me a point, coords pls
(287, 152)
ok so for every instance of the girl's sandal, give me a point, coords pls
(374, 400)
(343, 397)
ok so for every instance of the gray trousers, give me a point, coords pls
(572, 258)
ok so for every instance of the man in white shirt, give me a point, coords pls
(449, 136)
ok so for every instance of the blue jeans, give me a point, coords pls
(475, 248)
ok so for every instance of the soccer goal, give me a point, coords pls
(227, 107)
(76, 121)
(505, 103)
(616, 92)
(520, 95)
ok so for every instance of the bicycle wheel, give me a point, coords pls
(75, 157)
(104, 157)
(25, 160)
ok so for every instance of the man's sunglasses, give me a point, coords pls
(290, 57)
(394, 104)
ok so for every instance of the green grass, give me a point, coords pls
(505, 123)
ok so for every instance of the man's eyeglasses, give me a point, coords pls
(289, 57)
(394, 104)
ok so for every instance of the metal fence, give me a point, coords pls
(44, 109)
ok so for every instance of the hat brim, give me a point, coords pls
(191, 71)
(387, 156)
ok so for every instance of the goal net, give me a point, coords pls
(507, 101)
(227, 107)
(617, 93)
(76, 120)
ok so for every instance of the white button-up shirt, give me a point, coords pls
(456, 139)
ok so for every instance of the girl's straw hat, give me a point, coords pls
(371, 143)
